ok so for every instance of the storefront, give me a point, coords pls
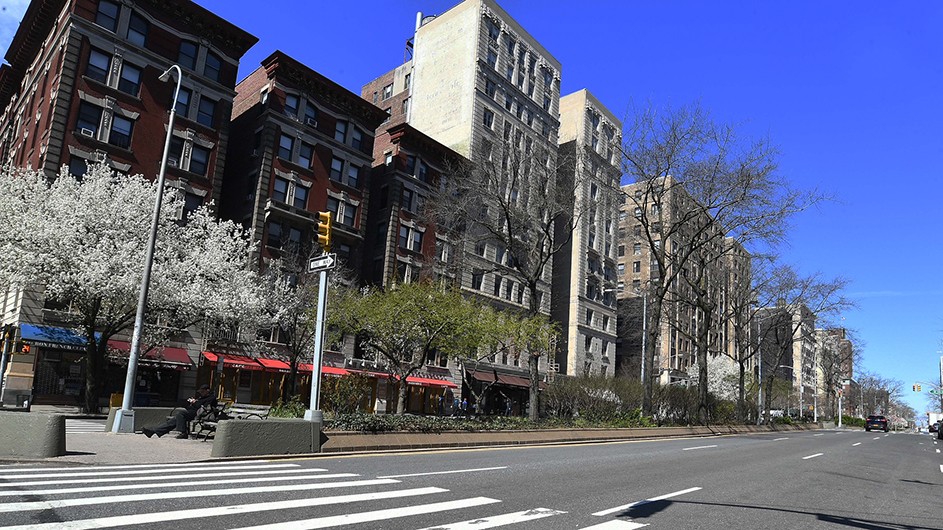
(157, 379)
(501, 393)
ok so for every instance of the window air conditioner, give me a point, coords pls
(173, 162)
(85, 131)
(311, 121)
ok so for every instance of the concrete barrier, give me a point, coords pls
(272, 436)
(32, 435)
(143, 417)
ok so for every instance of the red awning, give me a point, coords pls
(425, 381)
(325, 369)
(161, 356)
(484, 377)
(274, 365)
(235, 361)
(505, 379)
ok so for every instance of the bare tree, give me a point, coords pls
(837, 351)
(697, 185)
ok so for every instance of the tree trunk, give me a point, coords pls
(401, 393)
(534, 390)
(741, 394)
(93, 378)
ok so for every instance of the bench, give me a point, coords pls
(209, 417)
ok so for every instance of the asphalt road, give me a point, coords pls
(825, 479)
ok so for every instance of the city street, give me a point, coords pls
(824, 479)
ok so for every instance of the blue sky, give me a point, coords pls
(851, 95)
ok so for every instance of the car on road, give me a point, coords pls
(876, 422)
(935, 427)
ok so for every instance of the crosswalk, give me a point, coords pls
(80, 426)
(245, 494)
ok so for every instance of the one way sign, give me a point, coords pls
(322, 262)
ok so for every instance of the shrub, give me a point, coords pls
(294, 408)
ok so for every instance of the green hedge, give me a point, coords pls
(433, 424)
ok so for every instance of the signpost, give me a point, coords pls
(321, 265)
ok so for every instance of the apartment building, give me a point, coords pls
(786, 340)
(585, 278)
(662, 229)
(834, 365)
(80, 86)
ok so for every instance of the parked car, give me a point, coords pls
(876, 422)
(935, 427)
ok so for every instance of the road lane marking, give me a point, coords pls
(646, 501)
(88, 501)
(818, 435)
(216, 511)
(941, 468)
(698, 447)
(120, 487)
(376, 515)
(778, 439)
(812, 456)
(615, 524)
(499, 520)
(138, 471)
(162, 477)
(856, 444)
(876, 438)
(446, 472)
(937, 450)
(143, 466)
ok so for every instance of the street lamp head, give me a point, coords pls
(166, 75)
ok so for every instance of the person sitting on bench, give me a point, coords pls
(182, 418)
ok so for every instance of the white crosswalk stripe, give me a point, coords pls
(302, 497)
(84, 426)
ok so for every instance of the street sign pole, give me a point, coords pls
(320, 264)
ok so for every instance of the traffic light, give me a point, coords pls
(918, 388)
(324, 230)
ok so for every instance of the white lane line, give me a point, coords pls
(139, 466)
(876, 438)
(646, 501)
(941, 468)
(88, 501)
(812, 456)
(818, 435)
(138, 471)
(126, 487)
(937, 450)
(376, 515)
(162, 477)
(698, 447)
(780, 439)
(216, 511)
(498, 520)
(615, 524)
(856, 444)
(446, 472)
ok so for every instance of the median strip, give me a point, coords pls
(812, 456)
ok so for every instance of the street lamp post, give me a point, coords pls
(124, 420)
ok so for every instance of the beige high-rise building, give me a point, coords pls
(663, 216)
(584, 281)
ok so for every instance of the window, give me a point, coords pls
(497, 285)
(274, 238)
(548, 80)
(621, 250)
(350, 211)
(121, 129)
(130, 80)
(77, 167)
(356, 139)
(488, 119)
(589, 317)
(492, 59)
(300, 199)
(311, 114)
(187, 55)
(182, 107)
(477, 279)
(305, 155)
(605, 327)
(340, 131)
(137, 29)
(407, 81)
(175, 154)
(406, 199)
(199, 160)
(637, 249)
(337, 169)
(107, 16)
(490, 88)
(286, 144)
(509, 73)
(388, 91)
(637, 230)
(206, 112)
(636, 266)
(511, 42)
(353, 175)
(493, 30)
(98, 65)
(212, 66)
(423, 173)
(291, 105)
(280, 190)
(587, 343)
(621, 268)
